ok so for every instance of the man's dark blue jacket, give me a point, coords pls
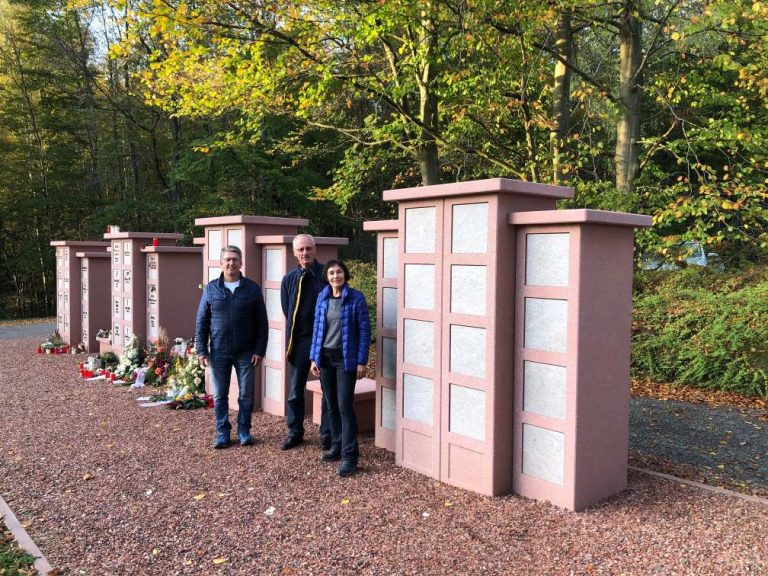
(289, 291)
(234, 323)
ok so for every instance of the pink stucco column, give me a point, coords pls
(129, 283)
(571, 348)
(94, 296)
(386, 330)
(68, 286)
(455, 328)
(173, 290)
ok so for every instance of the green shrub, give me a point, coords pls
(703, 328)
(364, 279)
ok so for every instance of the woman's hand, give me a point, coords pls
(314, 369)
(360, 371)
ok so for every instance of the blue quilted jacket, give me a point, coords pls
(355, 327)
(234, 323)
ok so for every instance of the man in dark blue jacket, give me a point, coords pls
(232, 315)
(298, 295)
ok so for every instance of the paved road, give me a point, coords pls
(27, 330)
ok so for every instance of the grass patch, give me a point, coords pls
(13, 560)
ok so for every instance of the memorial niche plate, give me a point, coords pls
(151, 295)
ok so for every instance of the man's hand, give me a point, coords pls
(360, 371)
(314, 369)
(256, 360)
(204, 361)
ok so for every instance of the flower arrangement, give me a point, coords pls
(186, 386)
(158, 361)
(54, 344)
(130, 361)
(104, 333)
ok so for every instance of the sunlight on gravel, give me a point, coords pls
(108, 488)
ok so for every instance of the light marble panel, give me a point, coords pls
(469, 229)
(275, 345)
(546, 324)
(389, 303)
(274, 265)
(390, 257)
(468, 289)
(274, 307)
(420, 230)
(389, 357)
(235, 238)
(468, 350)
(388, 408)
(547, 259)
(467, 412)
(213, 273)
(420, 286)
(214, 244)
(419, 342)
(544, 454)
(544, 389)
(417, 398)
(273, 383)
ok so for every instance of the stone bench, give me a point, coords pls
(365, 403)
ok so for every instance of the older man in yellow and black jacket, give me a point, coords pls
(298, 294)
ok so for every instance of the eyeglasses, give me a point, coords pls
(232, 260)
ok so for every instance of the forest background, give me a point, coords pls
(147, 114)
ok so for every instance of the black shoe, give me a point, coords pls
(346, 468)
(222, 441)
(292, 442)
(325, 443)
(330, 456)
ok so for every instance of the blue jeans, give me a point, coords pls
(221, 372)
(298, 364)
(339, 392)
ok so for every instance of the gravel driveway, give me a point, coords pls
(108, 488)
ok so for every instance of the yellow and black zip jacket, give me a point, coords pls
(292, 289)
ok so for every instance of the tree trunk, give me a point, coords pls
(561, 95)
(630, 95)
(429, 160)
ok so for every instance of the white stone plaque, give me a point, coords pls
(275, 345)
(467, 412)
(544, 454)
(420, 286)
(417, 398)
(127, 253)
(151, 295)
(126, 280)
(469, 228)
(213, 273)
(274, 258)
(419, 342)
(151, 266)
(274, 307)
(420, 230)
(127, 309)
(116, 307)
(235, 238)
(388, 408)
(468, 288)
(546, 259)
(546, 324)
(468, 350)
(389, 357)
(116, 252)
(214, 245)
(390, 258)
(544, 389)
(389, 303)
(153, 328)
(273, 383)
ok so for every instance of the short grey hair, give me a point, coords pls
(308, 236)
(231, 248)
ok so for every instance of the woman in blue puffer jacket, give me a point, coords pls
(339, 354)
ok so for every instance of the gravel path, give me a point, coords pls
(108, 488)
